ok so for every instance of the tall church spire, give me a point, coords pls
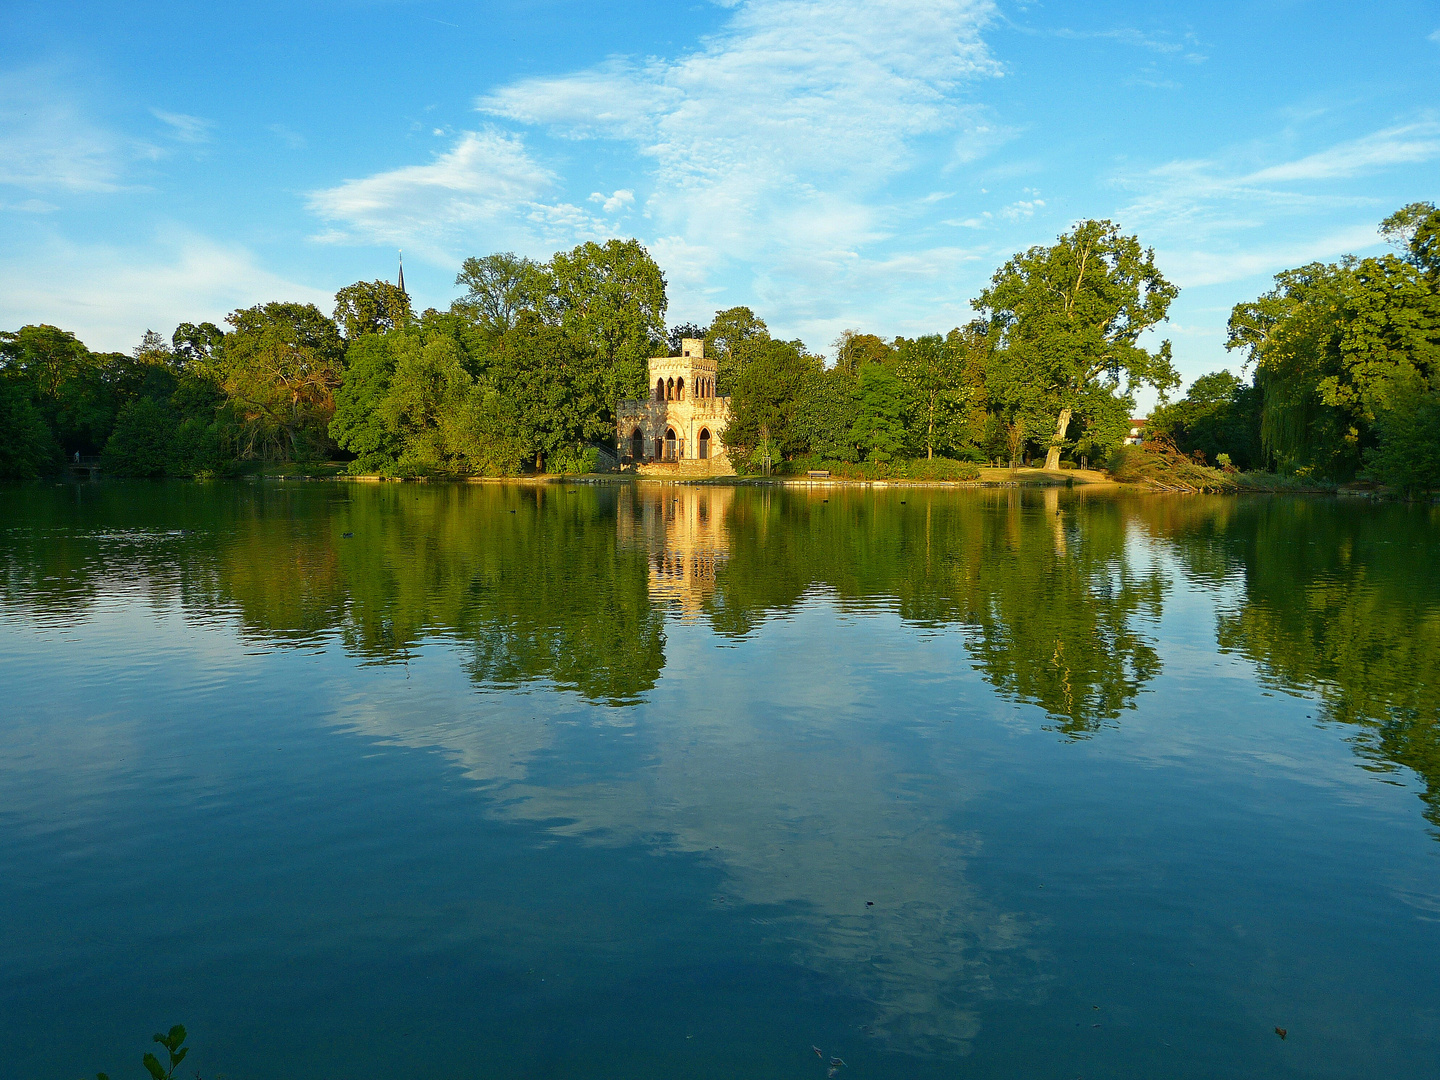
(401, 283)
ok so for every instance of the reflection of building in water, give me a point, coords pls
(677, 429)
(682, 531)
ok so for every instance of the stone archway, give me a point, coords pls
(670, 445)
(637, 444)
(704, 444)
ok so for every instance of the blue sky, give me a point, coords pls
(831, 163)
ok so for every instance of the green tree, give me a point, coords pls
(1407, 456)
(768, 395)
(142, 441)
(560, 390)
(853, 348)
(66, 383)
(879, 429)
(734, 337)
(1219, 414)
(498, 288)
(357, 425)
(611, 302)
(27, 449)
(371, 307)
(1068, 319)
(279, 369)
(933, 371)
(826, 414)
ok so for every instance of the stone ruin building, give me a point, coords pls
(676, 431)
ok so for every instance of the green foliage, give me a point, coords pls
(279, 370)
(175, 1053)
(934, 371)
(499, 287)
(357, 425)
(1334, 344)
(142, 443)
(853, 348)
(1218, 417)
(767, 398)
(1067, 320)
(611, 303)
(828, 406)
(372, 307)
(734, 338)
(1407, 456)
(879, 430)
(1159, 464)
(27, 449)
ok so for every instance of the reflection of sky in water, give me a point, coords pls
(834, 826)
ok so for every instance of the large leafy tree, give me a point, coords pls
(881, 407)
(1219, 414)
(371, 307)
(853, 348)
(498, 288)
(767, 400)
(734, 337)
(1068, 319)
(358, 426)
(610, 301)
(1337, 346)
(933, 370)
(66, 382)
(558, 392)
(280, 368)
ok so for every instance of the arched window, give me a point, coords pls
(669, 389)
(704, 443)
(659, 449)
(659, 389)
(637, 444)
(669, 444)
(680, 389)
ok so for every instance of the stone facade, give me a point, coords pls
(677, 429)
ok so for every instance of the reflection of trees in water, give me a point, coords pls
(1340, 601)
(543, 593)
(1042, 584)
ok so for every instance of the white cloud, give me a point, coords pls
(486, 189)
(618, 201)
(774, 142)
(1225, 219)
(183, 127)
(48, 144)
(1407, 144)
(109, 296)
(1434, 36)
(1220, 264)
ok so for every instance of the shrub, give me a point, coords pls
(942, 469)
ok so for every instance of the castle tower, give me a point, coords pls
(679, 426)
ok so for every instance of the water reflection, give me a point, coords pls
(1338, 600)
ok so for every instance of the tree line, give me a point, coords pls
(523, 371)
(1345, 359)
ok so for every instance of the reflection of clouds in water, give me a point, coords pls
(785, 771)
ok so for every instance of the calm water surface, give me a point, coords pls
(654, 781)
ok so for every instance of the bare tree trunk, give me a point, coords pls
(1052, 456)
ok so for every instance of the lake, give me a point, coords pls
(643, 781)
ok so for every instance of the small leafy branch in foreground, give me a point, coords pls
(175, 1050)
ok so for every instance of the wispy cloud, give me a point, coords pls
(774, 143)
(486, 188)
(1406, 144)
(47, 143)
(183, 127)
(1208, 213)
(110, 295)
